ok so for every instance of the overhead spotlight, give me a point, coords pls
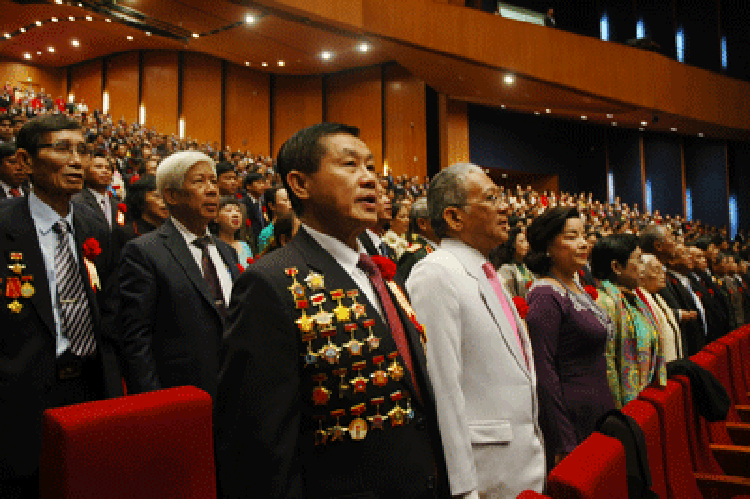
(502, 106)
(22, 30)
(584, 117)
(537, 113)
(196, 35)
(38, 52)
(89, 18)
(51, 49)
(326, 55)
(281, 63)
(80, 4)
(75, 42)
(509, 79)
(53, 19)
(548, 111)
(610, 116)
(108, 20)
(129, 37)
(644, 123)
(673, 129)
(38, 23)
(250, 19)
(6, 35)
(264, 64)
(247, 63)
(148, 33)
(363, 47)
(26, 55)
(58, 2)
(614, 123)
(700, 134)
(71, 18)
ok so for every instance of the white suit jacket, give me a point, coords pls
(485, 394)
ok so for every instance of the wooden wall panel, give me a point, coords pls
(159, 91)
(122, 85)
(454, 132)
(86, 83)
(52, 80)
(247, 110)
(355, 98)
(201, 97)
(297, 103)
(405, 123)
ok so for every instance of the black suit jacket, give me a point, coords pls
(678, 298)
(85, 198)
(373, 250)
(255, 214)
(28, 338)
(718, 324)
(170, 328)
(265, 417)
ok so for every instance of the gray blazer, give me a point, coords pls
(486, 395)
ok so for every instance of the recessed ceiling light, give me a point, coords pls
(537, 112)
(6, 35)
(148, 33)
(614, 123)
(247, 63)
(502, 106)
(80, 4)
(58, 2)
(129, 37)
(644, 123)
(75, 42)
(51, 49)
(264, 64)
(281, 63)
(38, 52)
(584, 117)
(326, 55)
(249, 19)
(509, 79)
(363, 47)
(610, 116)
(71, 18)
(53, 19)
(673, 129)
(22, 30)
(196, 35)
(26, 55)
(38, 23)
(548, 111)
(700, 134)
(89, 18)
(108, 20)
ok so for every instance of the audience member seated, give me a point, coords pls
(227, 226)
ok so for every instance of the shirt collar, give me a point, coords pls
(376, 239)
(471, 258)
(44, 216)
(342, 253)
(186, 234)
(99, 197)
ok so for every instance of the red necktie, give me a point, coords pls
(15, 193)
(397, 329)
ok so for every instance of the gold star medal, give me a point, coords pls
(330, 352)
(379, 377)
(337, 431)
(359, 383)
(377, 421)
(342, 313)
(358, 426)
(354, 346)
(372, 341)
(16, 267)
(323, 319)
(357, 308)
(315, 281)
(305, 323)
(297, 289)
(395, 370)
(397, 414)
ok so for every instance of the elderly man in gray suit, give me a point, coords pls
(478, 351)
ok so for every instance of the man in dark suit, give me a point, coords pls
(13, 176)
(55, 263)
(370, 238)
(175, 284)
(97, 178)
(302, 398)
(716, 315)
(422, 239)
(255, 186)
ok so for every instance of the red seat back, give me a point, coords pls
(735, 364)
(717, 430)
(153, 445)
(670, 406)
(645, 415)
(595, 469)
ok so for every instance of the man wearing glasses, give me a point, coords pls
(55, 262)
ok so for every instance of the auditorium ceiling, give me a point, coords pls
(277, 41)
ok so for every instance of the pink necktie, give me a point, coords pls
(489, 271)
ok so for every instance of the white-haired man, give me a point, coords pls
(175, 284)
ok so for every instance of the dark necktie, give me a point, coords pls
(75, 316)
(384, 250)
(397, 329)
(210, 275)
(15, 193)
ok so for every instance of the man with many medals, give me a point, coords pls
(323, 391)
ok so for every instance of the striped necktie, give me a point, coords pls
(75, 315)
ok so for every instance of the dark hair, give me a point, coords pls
(28, 137)
(213, 226)
(269, 198)
(223, 167)
(617, 247)
(136, 198)
(284, 225)
(250, 178)
(649, 236)
(7, 149)
(506, 252)
(302, 152)
(540, 234)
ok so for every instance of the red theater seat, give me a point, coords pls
(594, 469)
(646, 417)
(153, 445)
(735, 361)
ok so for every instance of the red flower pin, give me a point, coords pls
(250, 260)
(239, 266)
(386, 266)
(592, 291)
(521, 306)
(238, 195)
(122, 207)
(699, 294)
(580, 272)
(91, 248)
(528, 284)
(247, 222)
(711, 291)
(135, 178)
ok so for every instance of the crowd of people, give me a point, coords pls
(360, 334)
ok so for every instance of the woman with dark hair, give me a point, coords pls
(227, 227)
(276, 203)
(284, 230)
(146, 209)
(568, 333)
(509, 260)
(634, 353)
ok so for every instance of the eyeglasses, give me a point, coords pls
(68, 148)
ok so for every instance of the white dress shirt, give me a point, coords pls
(686, 282)
(225, 278)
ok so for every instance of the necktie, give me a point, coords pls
(489, 271)
(397, 329)
(15, 193)
(384, 250)
(210, 275)
(75, 316)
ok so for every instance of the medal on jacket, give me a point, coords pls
(297, 289)
(321, 436)
(323, 319)
(337, 431)
(310, 357)
(342, 313)
(27, 289)
(358, 426)
(330, 352)
(372, 341)
(395, 369)
(16, 267)
(305, 323)
(13, 291)
(397, 414)
(320, 395)
(377, 422)
(379, 377)
(359, 384)
(409, 411)
(314, 281)
(353, 345)
(357, 308)
(341, 373)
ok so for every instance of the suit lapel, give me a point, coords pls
(81, 234)
(23, 239)
(226, 255)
